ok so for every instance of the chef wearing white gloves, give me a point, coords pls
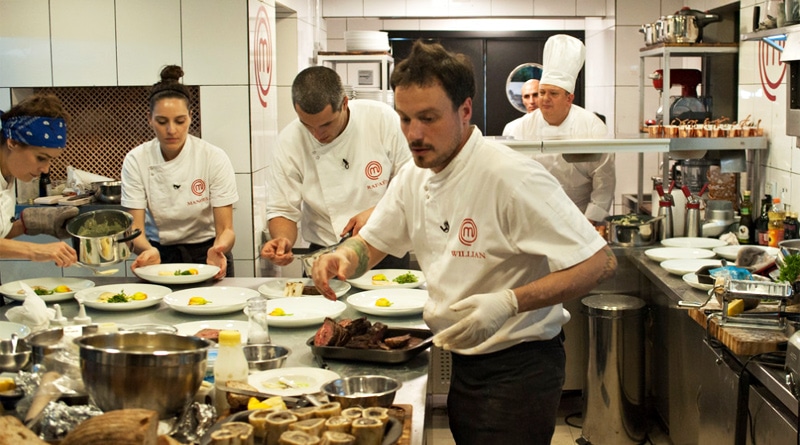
(34, 132)
(590, 184)
(501, 247)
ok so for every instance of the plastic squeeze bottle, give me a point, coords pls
(231, 364)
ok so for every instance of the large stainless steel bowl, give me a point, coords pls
(19, 359)
(363, 390)
(150, 370)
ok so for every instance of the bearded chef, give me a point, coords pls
(589, 184)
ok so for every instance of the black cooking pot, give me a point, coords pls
(701, 19)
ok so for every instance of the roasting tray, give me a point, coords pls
(377, 355)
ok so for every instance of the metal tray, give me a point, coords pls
(377, 355)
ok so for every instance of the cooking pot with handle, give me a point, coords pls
(633, 230)
(101, 237)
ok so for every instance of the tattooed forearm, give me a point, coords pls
(360, 249)
(610, 268)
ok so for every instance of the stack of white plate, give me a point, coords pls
(366, 40)
(385, 96)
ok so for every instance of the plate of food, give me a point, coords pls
(303, 380)
(684, 266)
(122, 297)
(299, 287)
(210, 300)
(176, 273)
(209, 329)
(389, 302)
(673, 253)
(300, 312)
(731, 252)
(50, 289)
(691, 241)
(389, 278)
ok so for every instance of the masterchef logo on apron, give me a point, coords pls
(373, 171)
(467, 235)
(198, 189)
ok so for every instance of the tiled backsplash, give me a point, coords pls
(105, 123)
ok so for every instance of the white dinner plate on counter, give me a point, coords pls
(401, 302)
(274, 288)
(301, 312)
(8, 327)
(193, 327)
(219, 299)
(660, 254)
(308, 380)
(165, 273)
(12, 289)
(695, 242)
(365, 281)
(684, 266)
(155, 293)
(731, 252)
(692, 280)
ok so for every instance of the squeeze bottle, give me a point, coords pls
(231, 364)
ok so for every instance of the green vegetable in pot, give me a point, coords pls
(790, 269)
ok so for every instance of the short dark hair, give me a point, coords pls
(169, 87)
(430, 63)
(317, 87)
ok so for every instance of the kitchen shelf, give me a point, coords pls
(769, 36)
(635, 144)
(332, 59)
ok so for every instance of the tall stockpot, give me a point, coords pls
(100, 237)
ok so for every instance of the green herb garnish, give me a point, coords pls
(406, 278)
(790, 269)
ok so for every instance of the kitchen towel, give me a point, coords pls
(33, 313)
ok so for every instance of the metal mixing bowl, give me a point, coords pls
(150, 370)
(261, 357)
(364, 390)
(18, 360)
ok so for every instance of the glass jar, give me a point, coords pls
(257, 328)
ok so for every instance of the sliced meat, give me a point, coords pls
(208, 334)
(397, 342)
(327, 333)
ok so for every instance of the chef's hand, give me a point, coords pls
(355, 223)
(147, 258)
(216, 257)
(278, 250)
(60, 253)
(481, 315)
(48, 220)
(330, 265)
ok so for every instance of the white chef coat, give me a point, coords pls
(324, 185)
(591, 184)
(493, 219)
(179, 195)
(8, 205)
(511, 127)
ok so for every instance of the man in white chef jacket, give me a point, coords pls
(590, 184)
(530, 100)
(332, 165)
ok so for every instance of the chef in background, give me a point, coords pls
(500, 254)
(33, 133)
(179, 189)
(590, 184)
(332, 165)
(530, 100)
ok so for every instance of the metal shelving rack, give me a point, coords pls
(332, 59)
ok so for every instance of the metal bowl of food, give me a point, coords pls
(101, 237)
(15, 354)
(632, 230)
(261, 357)
(150, 370)
(363, 390)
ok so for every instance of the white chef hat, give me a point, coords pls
(563, 59)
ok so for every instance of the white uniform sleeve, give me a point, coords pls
(284, 183)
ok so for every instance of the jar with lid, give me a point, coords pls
(257, 328)
(230, 365)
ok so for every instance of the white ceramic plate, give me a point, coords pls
(674, 253)
(274, 288)
(698, 243)
(193, 327)
(403, 301)
(682, 267)
(151, 273)
(731, 252)
(309, 380)
(7, 328)
(365, 281)
(154, 294)
(692, 280)
(303, 311)
(11, 290)
(221, 299)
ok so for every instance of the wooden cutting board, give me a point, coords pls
(403, 413)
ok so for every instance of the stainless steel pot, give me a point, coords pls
(633, 230)
(680, 28)
(100, 237)
(648, 29)
(108, 191)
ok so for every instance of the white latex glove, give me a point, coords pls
(481, 316)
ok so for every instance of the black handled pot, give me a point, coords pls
(701, 19)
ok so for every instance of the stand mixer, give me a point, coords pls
(687, 105)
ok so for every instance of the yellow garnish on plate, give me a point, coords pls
(383, 302)
(138, 296)
(62, 289)
(278, 312)
(379, 277)
(198, 301)
(272, 402)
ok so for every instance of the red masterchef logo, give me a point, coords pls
(770, 68)
(373, 170)
(262, 55)
(468, 232)
(198, 187)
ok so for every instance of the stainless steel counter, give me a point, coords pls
(413, 374)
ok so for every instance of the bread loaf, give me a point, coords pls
(238, 402)
(120, 427)
(13, 432)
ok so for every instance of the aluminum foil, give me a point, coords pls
(58, 419)
(194, 423)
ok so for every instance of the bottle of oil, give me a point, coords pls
(776, 216)
(762, 223)
(745, 234)
(791, 226)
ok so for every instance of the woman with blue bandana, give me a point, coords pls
(33, 133)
